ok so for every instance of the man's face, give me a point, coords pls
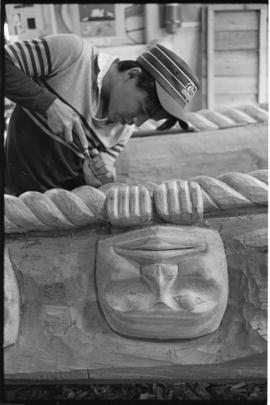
(163, 282)
(128, 103)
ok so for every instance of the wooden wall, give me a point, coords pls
(234, 58)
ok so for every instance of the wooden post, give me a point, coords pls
(262, 56)
(210, 58)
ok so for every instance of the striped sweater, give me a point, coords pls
(60, 66)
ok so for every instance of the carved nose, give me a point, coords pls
(161, 306)
(159, 277)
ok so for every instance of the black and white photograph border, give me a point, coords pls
(96, 266)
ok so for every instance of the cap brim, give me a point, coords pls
(171, 106)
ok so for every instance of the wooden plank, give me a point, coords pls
(56, 377)
(204, 38)
(236, 63)
(238, 7)
(252, 368)
(236, 40)
(210, 59)
(227, 7)
(231, 64)
(236, 20)
(234, 100)
(228, 85)
(262, 58)
(256, 6)
(203, 66)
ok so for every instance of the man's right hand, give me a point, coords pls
(89, 177)
(62, 120)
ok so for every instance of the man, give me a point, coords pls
(75, 108)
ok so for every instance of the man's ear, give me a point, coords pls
(134, 72)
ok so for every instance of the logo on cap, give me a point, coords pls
(189, 92)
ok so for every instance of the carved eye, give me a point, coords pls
(199, 300)
(188, 301)
(177, 299)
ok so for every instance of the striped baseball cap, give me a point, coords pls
(175, 83)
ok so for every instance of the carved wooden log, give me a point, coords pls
(64, 335)
(184, 155)
(175, 201)
(11, 303)
(63, 330)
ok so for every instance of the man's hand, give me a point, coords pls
(99, 169)
(103, 166)
(89, 177)
(62, 120)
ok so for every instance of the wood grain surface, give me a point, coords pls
(183, 155)
(64, 337)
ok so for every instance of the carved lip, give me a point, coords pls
(154, 248)
(162, 316)
(160, 243)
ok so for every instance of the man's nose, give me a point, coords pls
(140, 119)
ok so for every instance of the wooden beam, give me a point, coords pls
(237, 7)
(203, 66)
(225, 7)
(262, 57)
(253, 368)
(210, 59)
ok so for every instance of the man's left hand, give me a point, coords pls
(103, 166)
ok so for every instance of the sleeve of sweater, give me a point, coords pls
(30, 60)
(126, 134)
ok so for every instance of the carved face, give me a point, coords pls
(163, 282)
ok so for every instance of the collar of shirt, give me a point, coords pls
(104, 61)
(108, 132)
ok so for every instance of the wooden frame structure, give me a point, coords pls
(208, 38)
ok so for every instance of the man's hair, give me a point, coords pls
(147, 83)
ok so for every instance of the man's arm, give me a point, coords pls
(28, 61)
(23, 90)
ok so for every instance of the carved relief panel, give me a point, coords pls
(163, 282)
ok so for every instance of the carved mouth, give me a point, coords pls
(154, 249)
(161, 317)
(157, 243)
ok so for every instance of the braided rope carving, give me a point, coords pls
(205, 120)
(54, 209)
(176, 201)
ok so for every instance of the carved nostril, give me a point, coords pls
(161, 305)
(159, 277)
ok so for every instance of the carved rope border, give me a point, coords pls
(221, 118)
(175, 201)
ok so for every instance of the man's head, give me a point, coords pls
(157, 85)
